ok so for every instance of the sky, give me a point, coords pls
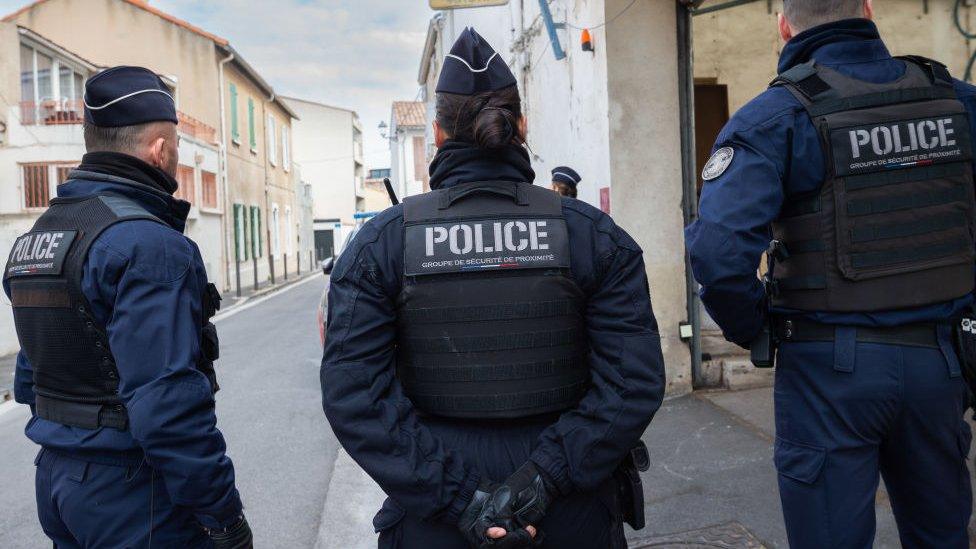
(356, 54)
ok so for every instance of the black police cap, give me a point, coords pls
(127, 96)
(567, 175)
(473, 67)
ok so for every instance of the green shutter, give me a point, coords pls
(250, 122)
(237, 232)
(234, 129)
(257, 238)
(247, 254)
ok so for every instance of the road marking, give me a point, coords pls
(350, 503)
(262, 299)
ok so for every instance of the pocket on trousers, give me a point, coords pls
(800, 462)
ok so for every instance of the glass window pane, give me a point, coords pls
(65, 82)
(26, 74)
(79, 87)
(44, 86)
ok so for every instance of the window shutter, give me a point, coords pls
(257, 223)
(234, 129)
(250, 122)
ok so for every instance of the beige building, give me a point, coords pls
(248, 201)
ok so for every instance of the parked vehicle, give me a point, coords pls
(327, 265)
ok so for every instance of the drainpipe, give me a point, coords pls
(689, 202)
(267, 180)
(223, 166)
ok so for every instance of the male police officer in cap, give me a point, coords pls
(859, 165)
(565, 180)
(488, 379)
(112, 309)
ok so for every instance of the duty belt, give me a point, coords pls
(792, 330)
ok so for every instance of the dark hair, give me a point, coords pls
(565, 189)
(124, 139)
(806, 14)
(490, 120)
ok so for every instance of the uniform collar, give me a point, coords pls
(82, 184)
(838, 43)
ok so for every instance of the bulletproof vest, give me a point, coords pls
(892, 226)
(490, 322)
(76, 382)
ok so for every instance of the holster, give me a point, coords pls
(630, 489)
(964, 330)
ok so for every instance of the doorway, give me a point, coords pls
(711, 115)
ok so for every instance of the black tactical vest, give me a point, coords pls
(490, 322)
(892, 226)
(75, 378)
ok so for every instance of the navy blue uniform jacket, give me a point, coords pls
(778, 156)
(377, 424)
(145, 283)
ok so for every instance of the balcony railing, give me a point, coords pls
(52, 112)
(195, 128)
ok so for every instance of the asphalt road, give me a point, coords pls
(269, 409)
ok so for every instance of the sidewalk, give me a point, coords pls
(7, 365)
(711, 484)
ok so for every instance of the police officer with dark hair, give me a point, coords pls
(112, 308)
(488, 379)
(859, 166)
(565, 181)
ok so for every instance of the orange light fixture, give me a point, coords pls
(587, 40)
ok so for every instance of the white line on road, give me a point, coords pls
(260, 300)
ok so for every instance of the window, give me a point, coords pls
(51, 90)
(419, 158)
(257, 242)
(186, 189)
(37, 185)
(289, 237)
(235, 131)
(272, 141)
(63, 172)
(275, 232)
(208, 187)
(240, 233)
(250, 124)
(285, 149)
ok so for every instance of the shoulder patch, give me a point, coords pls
(718, 163)
(40, 253)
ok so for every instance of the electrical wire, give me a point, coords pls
(968, 76)
(605, 23)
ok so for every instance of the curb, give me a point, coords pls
(270, 290)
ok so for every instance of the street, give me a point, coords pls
(269, 408)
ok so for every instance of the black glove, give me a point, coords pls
(237, 536)
(518, 502)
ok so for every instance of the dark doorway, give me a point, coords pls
(324, 244)
(711, 115)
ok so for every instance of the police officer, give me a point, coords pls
(565, 180)
(112, 308)
(859, 165)
(488, 379)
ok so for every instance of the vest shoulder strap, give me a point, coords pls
(508, 198)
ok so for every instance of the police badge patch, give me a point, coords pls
(718, 163)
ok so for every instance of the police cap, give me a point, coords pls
(473, 67)
(567, 175)
(127, 96)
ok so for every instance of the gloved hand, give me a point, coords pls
(516, 504)
(237, 536)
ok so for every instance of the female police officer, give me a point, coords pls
(492, 354)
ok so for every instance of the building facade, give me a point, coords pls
(409, 148)
(329, 148)
(200, 67)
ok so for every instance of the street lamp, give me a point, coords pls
(384, 131)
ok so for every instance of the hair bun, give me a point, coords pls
(494, 127)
